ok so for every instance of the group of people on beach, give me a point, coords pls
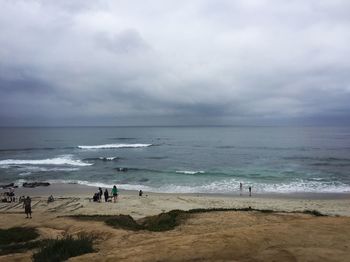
(96, 198)
(114, 194)
(8, 196)
(98, 195)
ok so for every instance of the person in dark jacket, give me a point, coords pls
(100, 193)
(106, 195)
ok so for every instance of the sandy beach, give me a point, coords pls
(220, 236)
(76, 199)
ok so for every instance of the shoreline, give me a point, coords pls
(73, 189)
(76, 199)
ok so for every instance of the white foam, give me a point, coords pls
(62, 160)
(80, 182)
(108, 158)
(104, 185)
(302, 186)
(120, 186)
(187, 172)
(111, 146)
(230, 186)
(48, 169)
(25, 174)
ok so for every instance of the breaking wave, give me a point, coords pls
(102, 159)
(111, 146)
(61, 161)
(230, 186)
(47, 169)
(187, 172)
(34, 149)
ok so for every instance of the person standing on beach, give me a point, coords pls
(100, 193)
(27, 203)
(115, 193)
(106, 195)
(240, 188)
(11, 194)
(250, 191)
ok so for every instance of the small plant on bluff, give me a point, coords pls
(17, 235)
(56, 250)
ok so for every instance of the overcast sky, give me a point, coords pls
(174, 62)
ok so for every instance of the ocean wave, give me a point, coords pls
(33, 149)
(47, 169)
(232, 187)
(135, 169)
(108, 158)
(102, 158)
(97, 184)
(112, 146)
(157, 157)
(313, 186)
(187, 172)
(62, 160)
(106, 185)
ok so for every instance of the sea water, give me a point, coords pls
(181, 159)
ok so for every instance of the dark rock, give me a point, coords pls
(35, 184)
(7, 186)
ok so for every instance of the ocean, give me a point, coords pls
(181, 159)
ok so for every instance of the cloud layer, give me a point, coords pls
(173, 62)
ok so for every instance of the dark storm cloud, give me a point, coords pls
(135, 62)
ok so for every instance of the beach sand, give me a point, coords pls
(213, 236)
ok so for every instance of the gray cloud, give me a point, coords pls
(163, 62)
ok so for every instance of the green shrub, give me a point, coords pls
(17, 235)
(164, 221)
(124, 222)
(19, 247)
(161, 222)
(55, 250)
(169, 220)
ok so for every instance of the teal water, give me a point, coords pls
(181, 159)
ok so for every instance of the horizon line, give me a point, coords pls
(126, 126)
